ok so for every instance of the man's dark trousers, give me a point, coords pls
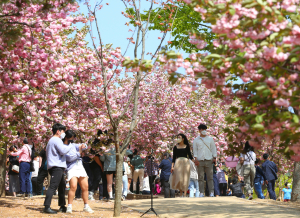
(271, 189)
(40, 180)
(57, 181)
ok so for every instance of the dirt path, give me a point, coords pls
(218, 207)
(178, 207)
(18, 207)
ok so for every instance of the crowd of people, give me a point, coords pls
(191, 172)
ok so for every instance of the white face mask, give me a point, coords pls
(204, 132)
(62, 136)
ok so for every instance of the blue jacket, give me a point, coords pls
(165, 167)
(259, 175)
(270, 170)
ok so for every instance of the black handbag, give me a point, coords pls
(31, 162)
(31, 166)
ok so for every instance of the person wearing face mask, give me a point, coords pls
(56, 164)
(76, 172)
(181, 167)
(205, 154)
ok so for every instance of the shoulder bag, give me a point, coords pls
(207, 147)
(15, 168)
(31, 162)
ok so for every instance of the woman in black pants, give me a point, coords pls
(165, 166)
(96, 171)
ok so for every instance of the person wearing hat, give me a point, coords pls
(270, 170)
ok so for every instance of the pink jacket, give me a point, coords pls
(24, 154)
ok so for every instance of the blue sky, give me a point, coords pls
(113, 29)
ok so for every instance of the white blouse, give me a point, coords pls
(250, 158)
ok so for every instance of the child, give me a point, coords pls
(157, 187)
(236, 188)
(287, 192)
(194, 185)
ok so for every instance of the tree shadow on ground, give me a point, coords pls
(10, 204)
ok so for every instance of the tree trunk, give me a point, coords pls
(118, 183)
(296, 183)
(3, 172)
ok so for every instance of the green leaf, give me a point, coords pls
(212, 56)
(259, 118)
(258, 126)
(260, 2)
(263, 43)
(273, 35)
(262, 87)
(232, 11)
(296, 49)
(294, 59)
(295, 118)
(267, 8)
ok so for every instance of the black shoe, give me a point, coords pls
(50, 211)
(62, 209)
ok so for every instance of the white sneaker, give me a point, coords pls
(88, 209)
(69, 209)
(91, 198)
(21, 195)
(211, 195)
(129, 192)
(123, 198)
(201, 195)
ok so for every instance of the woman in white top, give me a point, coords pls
(34, 175)
(248, 158)
(125, 179)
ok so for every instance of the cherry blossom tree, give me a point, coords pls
(256, 42)
(49, 77)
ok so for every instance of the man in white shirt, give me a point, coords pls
(205, 153)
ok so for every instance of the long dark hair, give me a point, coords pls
(185, 140)
(248, 147)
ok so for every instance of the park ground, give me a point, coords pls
(21, 207)
(176, 207)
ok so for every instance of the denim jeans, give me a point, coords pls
(125, 185)
(30, 183)
(24, 176)
(258, 189)
(194, 188)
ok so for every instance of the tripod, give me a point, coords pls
(151, 208)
